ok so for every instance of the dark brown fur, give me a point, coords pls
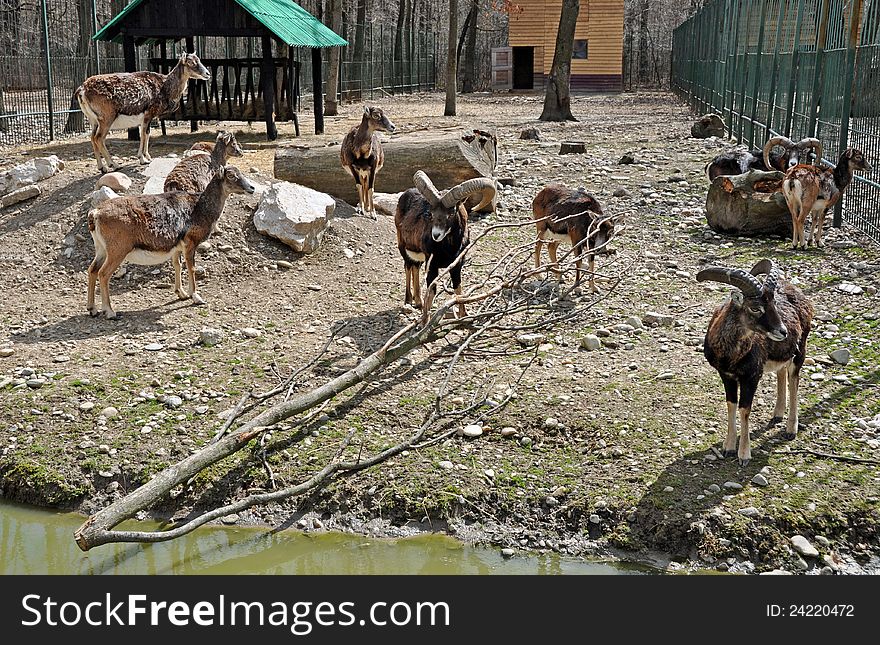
(362, 155)
(192, 174)
(575, 214)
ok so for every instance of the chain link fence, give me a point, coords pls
(798, 68)
(47, 51)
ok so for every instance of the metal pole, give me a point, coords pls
(789, 108)
(49, 100)
(771, 99)
(95, 31)
(855, 20)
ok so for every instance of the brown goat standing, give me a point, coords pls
(133, 100)
(574, 216)
(362, 154)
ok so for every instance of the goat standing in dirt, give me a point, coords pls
(362, 154)
(133, 100)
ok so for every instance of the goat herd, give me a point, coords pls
(762, 328)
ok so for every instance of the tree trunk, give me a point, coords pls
(360, 48)
(748, 204)
(75, 119)
(397, 57)
(469, 78)
(449, 157)
(644, 63)
(334, 11)
(451, 67)
(557, 100)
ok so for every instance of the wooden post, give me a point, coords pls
(163, 54)
(130, 56)
(191, 86)
(267, 80)
(318, 90)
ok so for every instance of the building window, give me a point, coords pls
(580, 49)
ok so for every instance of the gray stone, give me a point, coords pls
(749, 511)
(849, 288)
(446, 465)
(104, 449)
(620, 191)
(732, 485)
(36, 383)
(591, 342)
(508, 431)
(101, 195)
(823, 541)
(6, 352)
(61, 358)
(841, 356)
(29, 173)
(551, 422)
(20, 195)
(118, 182)
(760, 480)
(154, 347)
(525, 442)
(251, 332)
(294, 214)
(623, 327)
(530, 340)
(386, 203)
(173, 401)
(85, 406)
(635, 322)
(232, 518)
(802, 545)
(654, 318)
(210, 336)
(595, 519)
(284, 264)
(109, 412)
(507, 553)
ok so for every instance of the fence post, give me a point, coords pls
(372, 78)
(792, 81)
(50, 102)
(821, 42)
(756, 83)
(855, 20)
(732, 49)
(745, 72)
(771, 99)
(95, 31)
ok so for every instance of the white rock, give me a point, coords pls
(118, 182)
(20, 195)
(210, 336)
(156, 173)
(173, 401)
(591, 342)
(760, 480)
(508, 431)
(101, 195)
(472, 431)
(6, 352)
(446, 465)
(154, 347)
(29, 172)
(530, 340)
(386, 203)
(849, 288)
(294, 214)
(85, 406)
(109, 412)
(802, 545)
(841, 356)
(652, 318)
(733, 485)
(251, 332)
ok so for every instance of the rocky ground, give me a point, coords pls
(613, 449)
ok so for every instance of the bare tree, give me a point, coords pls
(451, 67)
(334, 15)
(557, 100)
(469, 40)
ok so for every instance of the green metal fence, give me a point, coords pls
(799, 68)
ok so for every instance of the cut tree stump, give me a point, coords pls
(572, 148)
(748, 204)
(449, 157)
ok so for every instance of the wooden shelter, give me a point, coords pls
(240, 89)
(597, 63)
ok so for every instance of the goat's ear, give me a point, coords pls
(182, 58)
(850, 153)
(366, 109)
(736, 297)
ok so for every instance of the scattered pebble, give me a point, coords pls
(840, 356)
(472, 431)
(591, 342)
(446, 465)
(251, 332)
(109, 412)
(210, 336)
(760, 480)
(232, 518)
(6, 352)
(154, 347)
(173, 401)
(733, 485)
(802, 545)
(749, 511)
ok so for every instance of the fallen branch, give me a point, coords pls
(828, 455)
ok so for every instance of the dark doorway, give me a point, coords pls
(523, 68)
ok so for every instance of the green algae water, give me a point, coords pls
(39, 541)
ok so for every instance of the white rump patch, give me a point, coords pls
(126, 121)
(416, 257)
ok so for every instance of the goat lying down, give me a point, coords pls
(152, 229)
(432, 227)
(761, 329)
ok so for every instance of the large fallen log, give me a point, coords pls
(748, 204)
(449, 157)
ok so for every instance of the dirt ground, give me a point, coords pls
(615, 451)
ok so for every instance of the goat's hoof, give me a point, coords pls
(744, 461)
(729, 453)
(93, 311)
(110, 314)
(788, 436)
(197, 299)
(775, 420)
(181, 295)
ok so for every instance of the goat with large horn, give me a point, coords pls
(793, 153)
(761, 329)
(432, 227)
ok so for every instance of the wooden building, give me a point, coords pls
(240, 89)
(597, 64)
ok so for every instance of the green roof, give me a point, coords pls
(287, 20)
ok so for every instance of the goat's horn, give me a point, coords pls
(426, 188)
(771, 269)
(775, 141)
(815, 144)
(458, 193)
(745, 282)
